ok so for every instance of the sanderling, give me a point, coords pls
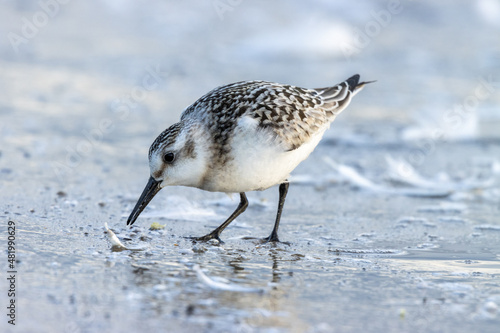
(244, 136)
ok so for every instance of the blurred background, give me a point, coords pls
(82, 78)
(86, 86)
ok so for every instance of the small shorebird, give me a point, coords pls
(244, 136)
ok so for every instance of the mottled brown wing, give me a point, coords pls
(296, 114)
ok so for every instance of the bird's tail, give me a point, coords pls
(337, 98)
(354, 85)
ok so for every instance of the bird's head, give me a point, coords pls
(177, 157)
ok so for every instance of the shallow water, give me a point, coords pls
(373, 247)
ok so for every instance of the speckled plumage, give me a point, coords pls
(245, 136)
(292, 113)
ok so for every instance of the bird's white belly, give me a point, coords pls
(257, 161)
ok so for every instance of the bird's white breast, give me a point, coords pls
(257, 160)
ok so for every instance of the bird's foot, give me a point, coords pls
(265, 240)
(273, 238)
(213, 236)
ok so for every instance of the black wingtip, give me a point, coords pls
(353, 82)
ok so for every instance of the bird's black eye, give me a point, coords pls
(169, 157)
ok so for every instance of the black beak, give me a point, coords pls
(152, 187)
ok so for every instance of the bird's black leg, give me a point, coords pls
(274, 234)
(216, 233)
